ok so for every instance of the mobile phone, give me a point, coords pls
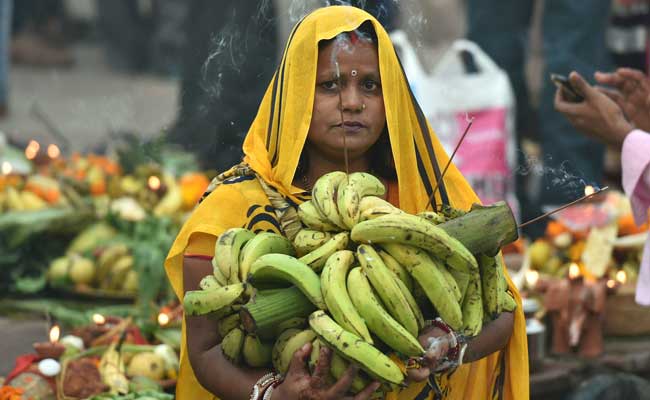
(568, 91)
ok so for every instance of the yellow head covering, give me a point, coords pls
(272, 149)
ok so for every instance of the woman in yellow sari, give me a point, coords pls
(339, 85)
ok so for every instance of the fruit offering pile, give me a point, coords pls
(361, 278)
(611, 249)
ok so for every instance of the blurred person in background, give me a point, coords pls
(5, 35)
(620, 118)
(627, 34)
(138, 39)
(573, 35)
(230, 53)
(38, 34)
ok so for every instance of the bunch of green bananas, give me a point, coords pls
(368, 272)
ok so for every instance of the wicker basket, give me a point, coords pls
(623, 317)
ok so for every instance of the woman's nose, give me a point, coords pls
(351, 99)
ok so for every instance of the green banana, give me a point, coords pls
(209, 282)
(291, 323)
(312, 219)
(378, 320)
(314, 355)
(350, 192)
(307, 240)
(232, 345)
(107, 258)
(288, 343)
(223, 281)
(415, 231)
(489, 285)
(278, 348)
(316, 258)
(397, 268)
(413, 304)
(256, 353)
(384, 283)
(430, 279)
(462, 280)
(473, 307)
(450, 279)
(227, 249)
(372, 207)
(335, 292)
(507, 302)
(111, 370)
(281, 267)
(324, 196)
(262, 243)
(501, 274)
(338, 367)
(228, 323)
(355, 349)
(217, 300)
(432, 217)
(117, 274)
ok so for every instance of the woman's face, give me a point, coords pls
(359, 111)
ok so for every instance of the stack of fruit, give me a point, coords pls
(360, 278)
(611, 249)
(90, 263)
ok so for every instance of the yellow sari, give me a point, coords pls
(272, 149)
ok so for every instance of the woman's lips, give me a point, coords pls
(352, 126)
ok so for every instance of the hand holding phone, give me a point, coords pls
(568, 91)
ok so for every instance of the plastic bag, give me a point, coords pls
(450, 96)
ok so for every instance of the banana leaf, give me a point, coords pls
(69, 313)
(21, 225)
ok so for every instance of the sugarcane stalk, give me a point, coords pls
(484, 229)
(263, 312)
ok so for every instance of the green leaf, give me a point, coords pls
(30, 284)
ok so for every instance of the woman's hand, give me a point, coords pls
(431, 358)
(598, 115)
(300, 384)
(632, 94)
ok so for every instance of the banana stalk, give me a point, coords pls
(470, 229)
(262, 314)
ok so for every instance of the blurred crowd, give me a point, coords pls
(225, 52)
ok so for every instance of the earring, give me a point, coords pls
(363, 106)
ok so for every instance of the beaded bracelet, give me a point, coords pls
(264, 386)
(458, 346)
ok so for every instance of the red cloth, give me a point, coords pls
(22, 364)
(27, 363)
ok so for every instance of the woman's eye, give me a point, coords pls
(329, 85)
(370, 85)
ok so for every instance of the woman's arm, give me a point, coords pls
(493, 337)
(213, 371)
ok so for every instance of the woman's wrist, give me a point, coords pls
(264, 387)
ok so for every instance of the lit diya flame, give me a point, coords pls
(153, 182)
(611, 283)
(55, 332)
(99, 319)
(6, 168)
(532, 277)
(621, 277)
(53, 151)
(163, 319)
(574, 271)
(589, 190)
(32, 149)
